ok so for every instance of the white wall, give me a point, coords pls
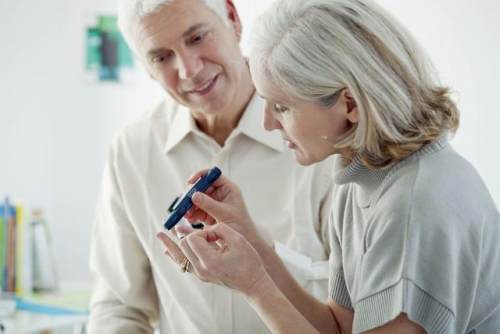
(55, 127)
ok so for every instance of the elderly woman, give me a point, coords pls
(413, 228)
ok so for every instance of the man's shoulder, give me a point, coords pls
(154, 122)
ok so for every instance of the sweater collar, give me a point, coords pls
(368, 181)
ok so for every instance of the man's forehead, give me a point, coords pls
(174, 21)
(153, 49)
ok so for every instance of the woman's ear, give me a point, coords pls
(234, 18)
(351, 106)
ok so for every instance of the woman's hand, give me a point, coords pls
(219, 254)
(224, 204)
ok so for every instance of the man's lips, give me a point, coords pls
(205, 87)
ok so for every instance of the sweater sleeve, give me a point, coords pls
(337, 287)
(420, 258)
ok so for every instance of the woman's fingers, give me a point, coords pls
(213, 208)
(226, 257)
(194, 177)
(191, 256)
(183, 229)
(205, 242)
(217, 254)
(221, 180)
(171, 248)
(202, 242)
(179, 252)
(199, 215)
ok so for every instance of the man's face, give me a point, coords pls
(196, 58)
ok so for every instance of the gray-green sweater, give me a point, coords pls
(419, 238)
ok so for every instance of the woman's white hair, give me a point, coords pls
(313, 49)
(131, 12)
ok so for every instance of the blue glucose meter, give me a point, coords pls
(185, 203)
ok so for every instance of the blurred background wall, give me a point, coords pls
(55, 126)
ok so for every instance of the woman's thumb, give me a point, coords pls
(209, 205)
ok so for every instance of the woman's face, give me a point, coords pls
(309, 129)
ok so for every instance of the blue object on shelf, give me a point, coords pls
(45, 309)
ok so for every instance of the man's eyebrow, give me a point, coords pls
(193, 29)
(188, 32)
(155, 52)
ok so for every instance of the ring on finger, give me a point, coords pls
(185, 265)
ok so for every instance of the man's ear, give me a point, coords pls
(351, 106)
(234, 18)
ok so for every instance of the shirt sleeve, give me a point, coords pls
(310, 266)
(123, 300)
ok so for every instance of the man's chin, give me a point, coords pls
(208, 108)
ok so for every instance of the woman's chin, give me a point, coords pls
(308, 159)
(303, 159)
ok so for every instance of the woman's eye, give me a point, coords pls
(197, 38)
(279, 108)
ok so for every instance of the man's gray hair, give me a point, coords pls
(312, 49)
(130, 13)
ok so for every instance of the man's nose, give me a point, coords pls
(189, 65)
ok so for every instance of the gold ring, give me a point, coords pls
(185, 265)
(186, 268)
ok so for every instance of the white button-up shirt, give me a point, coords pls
(149, 162)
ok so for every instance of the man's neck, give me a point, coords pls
(220, 126)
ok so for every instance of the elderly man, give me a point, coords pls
(210, 117)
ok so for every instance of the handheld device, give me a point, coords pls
(196, 226)
(180, 207)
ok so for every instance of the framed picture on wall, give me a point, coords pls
(107, 56)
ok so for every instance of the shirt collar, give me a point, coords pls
(250, 124)
(181, 126)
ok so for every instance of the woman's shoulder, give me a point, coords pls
(447, 181)
(442, 185)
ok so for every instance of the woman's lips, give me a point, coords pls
(290, 144)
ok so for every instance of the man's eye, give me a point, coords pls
(279, 108)
(161, 58)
